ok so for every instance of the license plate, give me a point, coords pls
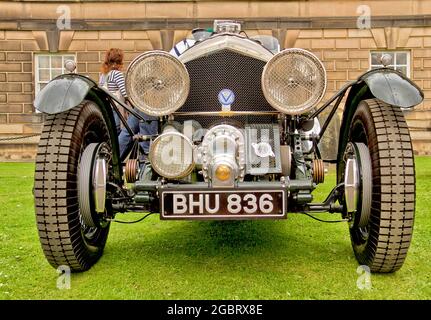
(223, 204)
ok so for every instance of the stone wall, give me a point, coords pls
(328, 30)
(17, 115)
(346, 53)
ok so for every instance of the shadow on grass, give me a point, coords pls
(231, 242)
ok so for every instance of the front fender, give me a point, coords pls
(385, 84)
(392, 87)
(63, 93)
(66, 92)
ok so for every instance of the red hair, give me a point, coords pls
(113, 60)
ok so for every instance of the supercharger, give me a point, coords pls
(223, 149)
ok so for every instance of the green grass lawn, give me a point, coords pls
(295, 259)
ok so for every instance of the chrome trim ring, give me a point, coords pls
(157, 83)
(294, 81)
(185, 163)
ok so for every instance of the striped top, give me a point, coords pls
(182, 46)
(115, 82)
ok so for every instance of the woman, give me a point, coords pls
(112, 79)
(148, 127)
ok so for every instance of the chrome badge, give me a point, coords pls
(226, 97)
(263, 149)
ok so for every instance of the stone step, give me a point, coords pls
(419, 123)
(417, 114)
(18, 152)
(421, 135)
(422, 147)
(17, 129)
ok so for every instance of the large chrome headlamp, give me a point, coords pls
(157, 83)
(294, 81)
(171, 155)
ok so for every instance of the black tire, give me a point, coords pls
(383, 244)
(64, 238)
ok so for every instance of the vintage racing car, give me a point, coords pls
(238, 139)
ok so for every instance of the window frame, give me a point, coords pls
(37, 81)
(394, 63)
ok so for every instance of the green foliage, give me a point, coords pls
(294, 259)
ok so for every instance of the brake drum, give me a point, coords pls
(358, 182)
(92, 178)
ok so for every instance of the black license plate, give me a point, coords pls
(223, 204)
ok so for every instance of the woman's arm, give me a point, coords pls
(118, 79)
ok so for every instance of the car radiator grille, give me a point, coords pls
(225, 69)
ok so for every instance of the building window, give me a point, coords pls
(48, 66)
(400, 60)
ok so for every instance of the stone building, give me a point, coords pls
(36, 37)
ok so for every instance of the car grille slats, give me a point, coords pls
(225, 69)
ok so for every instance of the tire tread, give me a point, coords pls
(56, 202)
(393, 205)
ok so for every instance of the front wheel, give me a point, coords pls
(382, 223)
(71, 231)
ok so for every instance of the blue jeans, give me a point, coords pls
(117, 122)
(149, 127)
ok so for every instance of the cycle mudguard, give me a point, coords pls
(63, 93)
(66, 92)
(386, 84)
(393, 87)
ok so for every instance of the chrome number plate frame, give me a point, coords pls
(223, 204)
